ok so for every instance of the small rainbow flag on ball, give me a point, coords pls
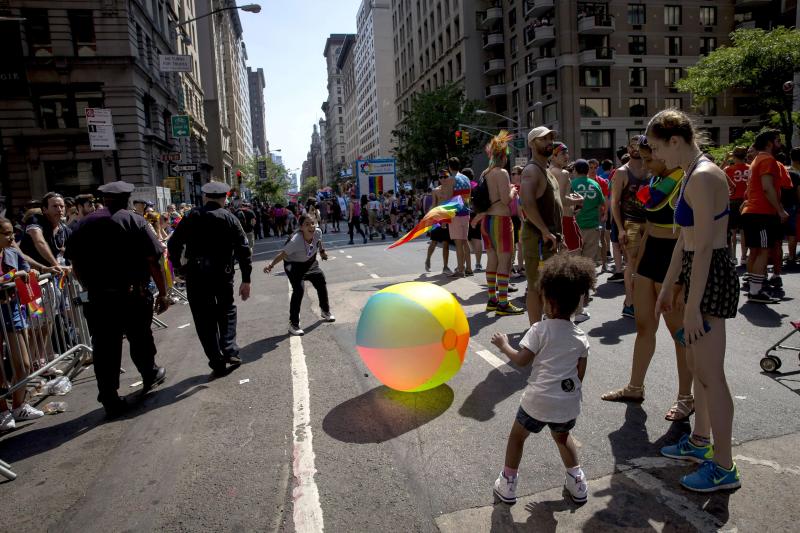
(441, 213)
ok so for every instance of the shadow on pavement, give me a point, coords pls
(611, 332)
(790, 380)
(761, 315)
(382, 414)
(609, 291)
(497, 386)
(254, 351)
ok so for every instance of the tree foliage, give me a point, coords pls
(426, 134)
(757, 61)
(309, 188)
(272, 189)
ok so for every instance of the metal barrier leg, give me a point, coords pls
(5, 471)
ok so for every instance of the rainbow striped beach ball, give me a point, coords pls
(412, 336)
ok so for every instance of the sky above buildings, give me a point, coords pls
(287, 39)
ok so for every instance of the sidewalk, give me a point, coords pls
(644, 495)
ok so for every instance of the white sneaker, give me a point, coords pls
(506, 489)
(576, 487)
(7, 422)
(295, 330)
(26, 412)
(328, 317)
(581, 317)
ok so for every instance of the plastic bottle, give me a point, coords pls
(59, 386)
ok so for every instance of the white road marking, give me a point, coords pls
(349, 256)
(771, 464)
(360, 264)
(341, 251)
(374, 276)
(491, 358)
(183, 326)
(307, 512)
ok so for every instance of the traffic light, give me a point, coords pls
(459, 140)
(465, 138)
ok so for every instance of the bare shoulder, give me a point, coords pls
(532, 172)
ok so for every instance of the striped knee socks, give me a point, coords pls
(491, 281)
(502, 289)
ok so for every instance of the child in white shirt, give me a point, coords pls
(558, 350)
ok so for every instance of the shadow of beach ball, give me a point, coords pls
(412, 336)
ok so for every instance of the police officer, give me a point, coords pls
(114, 256)
(209, 238)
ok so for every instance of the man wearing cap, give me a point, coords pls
(542, 211)
(210, 238)
(559, 162)
(139, 206)
(114, 255)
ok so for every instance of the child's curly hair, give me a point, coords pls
(564, 279)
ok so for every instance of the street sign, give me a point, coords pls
(175, 63)
(520, 161)
(519, 144)
(172, 156)
(180, 126)
(178, 169)
(101, 129)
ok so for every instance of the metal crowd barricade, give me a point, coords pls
(38, 337)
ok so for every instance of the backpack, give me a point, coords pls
(479, 196)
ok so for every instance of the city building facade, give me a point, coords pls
(59, 60)
(315, 161)
(258, 111)
(333, 107)
(374, 79)
(346, 63)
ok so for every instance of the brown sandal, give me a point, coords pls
(625, 394)
(682, 409)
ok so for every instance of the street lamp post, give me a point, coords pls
(484, 112)
(250, 8)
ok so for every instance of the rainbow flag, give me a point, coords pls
(441, 213)
(35, 308)
(62, 280)
(8, 276)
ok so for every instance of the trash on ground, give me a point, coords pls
(59, 386)
(135, 384)
(740, 397)
(184, 326)
(243, 381)
(53, 408)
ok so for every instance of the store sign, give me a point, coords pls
(175, 63)
(101, 129)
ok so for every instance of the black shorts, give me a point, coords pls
(515, 220)
(735, 216)
(474, 232)
(535, 426)
(654, 262)
(440, 234)
(761, 231)
(721, 296)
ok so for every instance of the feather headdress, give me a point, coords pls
(498, 147)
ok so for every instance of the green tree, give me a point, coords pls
(757, 61)
(309, 188)
(426, 134)
(274, 187)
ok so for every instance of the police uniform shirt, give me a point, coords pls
(212, 234)
(113, 251)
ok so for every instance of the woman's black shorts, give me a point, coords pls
(654, 262)
(721, 296)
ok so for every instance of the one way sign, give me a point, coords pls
(184, 168)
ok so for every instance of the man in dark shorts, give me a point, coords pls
(763, 214)
(440, 234)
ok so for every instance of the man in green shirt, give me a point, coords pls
(590, 215)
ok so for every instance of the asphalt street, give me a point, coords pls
(303, 436)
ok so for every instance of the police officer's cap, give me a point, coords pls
(116, 187)
(216, 188)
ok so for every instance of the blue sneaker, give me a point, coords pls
(711, 477)
(686, 451)
(627, 311)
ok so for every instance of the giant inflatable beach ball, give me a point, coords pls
(412, 336)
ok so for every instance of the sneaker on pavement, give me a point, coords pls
(327, 316)
(469, 273)
(581, 317)
(512, 288)
(762, 297)
(491, 305)
(576, 487)
(508, 310)
(617, 277)
(478, 267)
(446, 270)
(775, 282)
(686, 451)
(627, 310)
(427, 265)
(295, 330)
(233, 360)
(26, 412)
(506, 489)
(7, 422)
(158, 377)
(711, 477)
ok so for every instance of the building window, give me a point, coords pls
(512, 45)
(707, 45)
(636, 14)
(709, 107)
(549, 114)
(529, 92)
(530, 62)
(147, 106)
(515, 99)
(594, 139)
(671, 75)
(637, 77)
(595, 107)
(549, 83)
(637, 107)
(514, 71)
(708, 15)
(512, 16)
(531, 117)
(81, 24)
(595, 77)
(672, 15)
(637, 45)
(673, 46)
(55, 112)
(672, 103)
(73, 177)
(37, 32)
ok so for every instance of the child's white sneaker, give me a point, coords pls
(506, 489)
(576, 486)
